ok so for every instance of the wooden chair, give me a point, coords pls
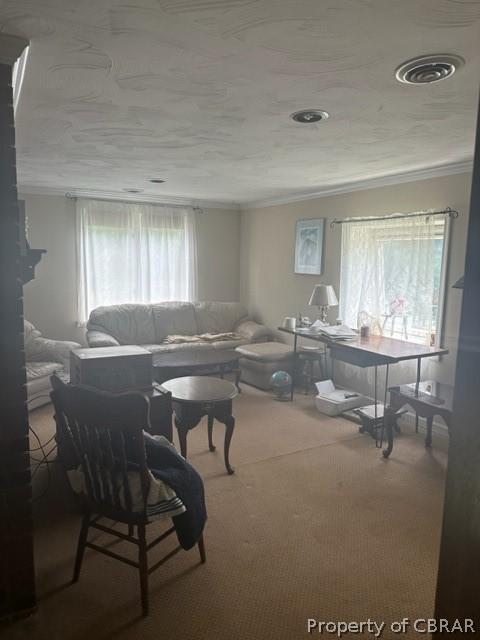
(106, 432)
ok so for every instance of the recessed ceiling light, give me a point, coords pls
(156, 180)
(133, 190)
(309, 116)
(428, 69)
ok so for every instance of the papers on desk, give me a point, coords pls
(330, 331)
(338, 332)
(317, 325)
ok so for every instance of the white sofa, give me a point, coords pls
(149, 325)
(43, 357)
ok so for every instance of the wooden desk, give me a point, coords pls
(373, 351)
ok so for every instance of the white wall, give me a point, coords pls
(50, 299)
(272, 290)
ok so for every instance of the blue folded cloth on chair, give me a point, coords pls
(168, 465)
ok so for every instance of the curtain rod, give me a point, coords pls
(195, 208)
(451, 213)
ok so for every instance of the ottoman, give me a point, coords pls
(258, 361)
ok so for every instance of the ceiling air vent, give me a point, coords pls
(428, 69)
(309, 116)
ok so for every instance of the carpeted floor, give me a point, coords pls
(314, 524)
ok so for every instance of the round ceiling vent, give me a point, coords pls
(308, 116)
(428, 69)
(156, 180)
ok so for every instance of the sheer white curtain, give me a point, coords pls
(391, 269)
(129, 252)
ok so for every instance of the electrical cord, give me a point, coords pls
(44, 460)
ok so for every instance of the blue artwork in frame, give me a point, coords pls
(309, 246)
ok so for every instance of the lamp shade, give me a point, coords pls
(323, 295)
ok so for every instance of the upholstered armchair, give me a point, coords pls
(43, 358)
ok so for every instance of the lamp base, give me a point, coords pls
(323, 310)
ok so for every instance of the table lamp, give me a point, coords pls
(323, 296)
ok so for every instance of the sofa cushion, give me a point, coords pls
(37, 370)
(228, 344)
(253, 331)
(173, 318)
(218, 317)
(128, 323)
(266, 351)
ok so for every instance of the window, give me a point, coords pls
(128, 252)
(392, 276)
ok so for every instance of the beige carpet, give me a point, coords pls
(314, 524)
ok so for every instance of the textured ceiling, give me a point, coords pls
(199, 92)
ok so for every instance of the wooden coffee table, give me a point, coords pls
(196, 396)
(208, 362)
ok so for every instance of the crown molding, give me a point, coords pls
(360, 185)
(126, 197)
(370, 183)
(11, 48)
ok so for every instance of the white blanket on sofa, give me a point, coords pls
(204, 337)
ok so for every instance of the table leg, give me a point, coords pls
(428, 437)
(293, 366)
(229, 427)
(211, 446)
(380, 444)
(417, 384)
(238, 374)
(389, 424)
(182, 437)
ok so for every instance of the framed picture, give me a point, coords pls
(309, 246)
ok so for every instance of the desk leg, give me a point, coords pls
(294, 366)
(389, 424)
(417, 384)
(379, 445)
(428, 438)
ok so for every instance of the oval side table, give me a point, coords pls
(196, 396)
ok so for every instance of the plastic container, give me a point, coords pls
(332, 401)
